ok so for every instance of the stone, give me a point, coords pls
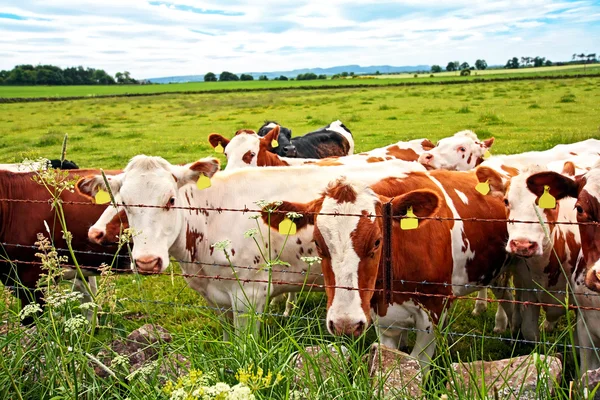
(395, 374)
(321, 361)
(590, 380)
(512, 378)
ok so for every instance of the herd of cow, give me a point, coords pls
(318, 176)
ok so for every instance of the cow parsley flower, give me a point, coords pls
(30, 309)
(120, 361)
(250, 233)
(293, 215)
(222, 245)
(88, 305)
(311, 260)
(75, 323)
(61, 298)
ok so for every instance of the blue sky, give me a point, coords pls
(166, 38)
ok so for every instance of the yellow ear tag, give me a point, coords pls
(274, 143)
(219, 148)
(287, 227)
(483, 187)
(487, 155)
(410, 222)
(203, 182)
(102, 197)
(547, 200)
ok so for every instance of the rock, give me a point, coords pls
(142, 349)
(591, 379)
(512, 378)
(321, 361)
(395, 374)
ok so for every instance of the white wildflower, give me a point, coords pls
(179, 394)
(250, 233)
(222, 245)
(75, 323)
(262, 203)
(120, 361)
(293, 215)
(311, 260)
(144, 372)
(240, 392)
(30, 309)
(88, 305)
(69, 348)
(62, 298)
(257, 216)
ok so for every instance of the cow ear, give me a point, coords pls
(307, 210)
(191, 172)
(568, 169)
(424, 203)
(215, 139)
(90, 185)
(488, 142)
(427, 144)
(560, 186)
(495, 180)
(243, 131)
(272, 135)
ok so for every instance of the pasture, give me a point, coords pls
(521, 115)
(395, 79)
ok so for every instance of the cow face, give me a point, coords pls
(461, 152)
(285, 148)
(586, 189)
(350, 248)
(247, 149)
(154, 183)
(109, 227)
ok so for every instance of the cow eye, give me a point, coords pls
(377, 243)
(462, 148)
(171, 202)
(252, 154)
(506, 202)
(579, 209)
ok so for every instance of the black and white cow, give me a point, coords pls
(331, 140)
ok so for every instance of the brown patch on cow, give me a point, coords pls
(301, 250)
(469, 159)
(573, 154)
(364, 154)
(329, 162)
(511, 171)
(590, 235)
(245, 131)
(427, 145)
(307, 210)
(340, 191)
(402, 154)
(487, 174)
(569, 168)
(232, 251)
(389, 158)
(115, 228)
(174, 177)
(191, 240)
(216, 139)
(208, 166)
(298, 241)
(374, 159)
(247, 157)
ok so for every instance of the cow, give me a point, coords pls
(247, 149)
(167, 228)
(39, 165)
(461, 152)
(585, 190)
(545, 255)
(453, 256)
(21, 221)
(334, 139)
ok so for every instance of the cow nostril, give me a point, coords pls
(360, 327)
(331, 327)
(428, 156)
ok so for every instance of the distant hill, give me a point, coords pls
(357, 69)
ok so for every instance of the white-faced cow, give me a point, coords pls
(586, 191)
(443, 252)
(334, 139)
(461, 152)
(189, 234)
(247, 149)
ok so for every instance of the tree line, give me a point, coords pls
(226, 76)
(52, 75)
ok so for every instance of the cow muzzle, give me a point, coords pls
(96, 236)
(148, 264)
(592, 278)
(426, 159)
(290, 151)
(523, 247)
(346, 326)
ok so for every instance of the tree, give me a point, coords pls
(322, 76)
(283, 78)
(210, 77)
(481, 64)
(539, 61)
(344, 74)
(548, 63)
(246, 77)
(263, 78)
(228, 76)
(464, 65)
(436, 69)
(451, 66)
(512, 63)
(309, 76)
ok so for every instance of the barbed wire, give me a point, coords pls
(334, 214)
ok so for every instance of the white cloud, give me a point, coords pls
(181, 37)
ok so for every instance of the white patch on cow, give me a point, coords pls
(456, 153)
(336, 127)
(459, 257)
(238, 147)
(337, 234)
(462, 196)
(271, 125)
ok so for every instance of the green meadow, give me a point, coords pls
(107, 132)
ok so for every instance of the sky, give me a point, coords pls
(170, 38)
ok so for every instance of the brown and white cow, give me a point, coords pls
(21, 221)
(461, 152)
(189, 234)
(586, 190)
(247, 149)
(445, 252)
(545, 255)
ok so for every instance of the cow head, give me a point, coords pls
(247, 149)
(109, 227)
(153, 183)
(285, 148)
(461, 152)
(350, 248)
(586, 189)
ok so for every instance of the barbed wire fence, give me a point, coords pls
(385, 285)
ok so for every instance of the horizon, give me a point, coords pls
(154, 39)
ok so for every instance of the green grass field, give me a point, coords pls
(522, 115)
(62, 91)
